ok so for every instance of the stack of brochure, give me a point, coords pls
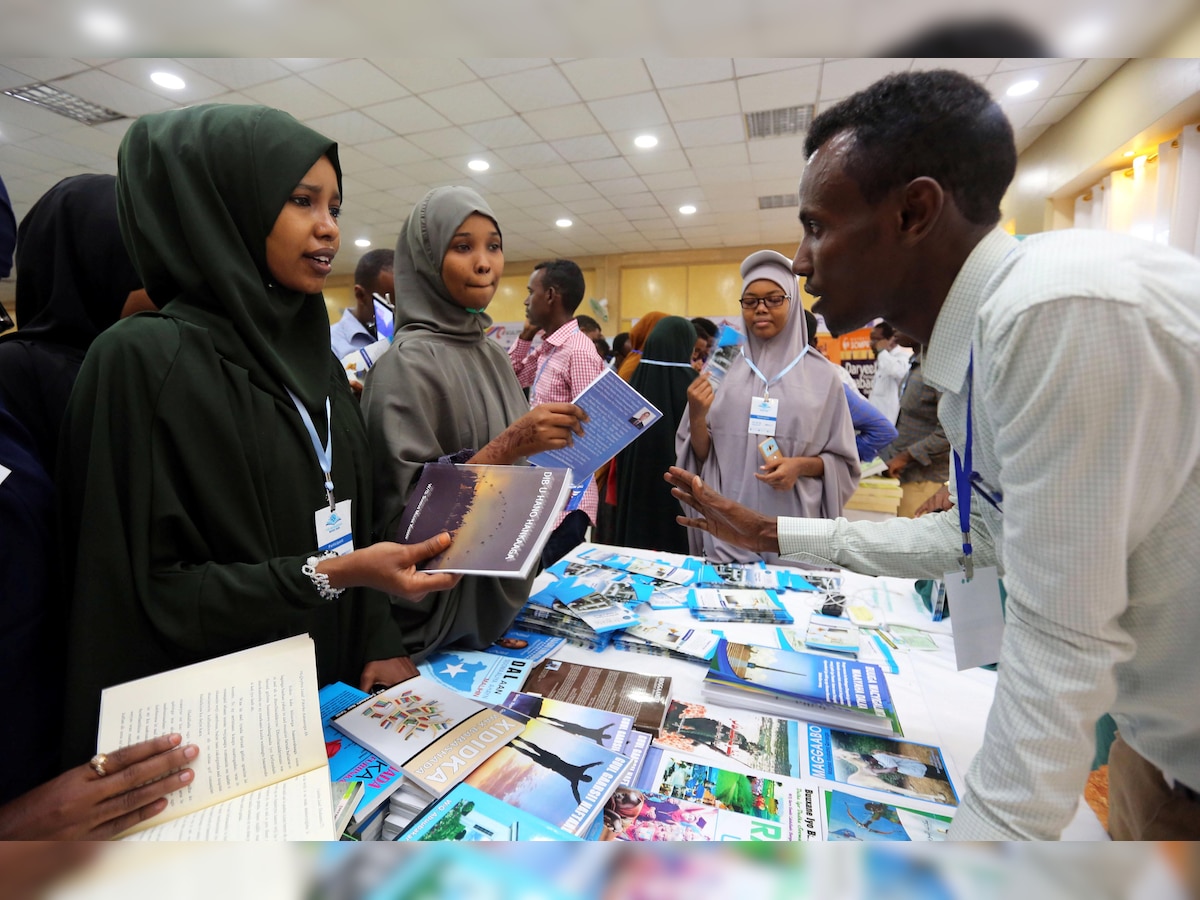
(738, 605)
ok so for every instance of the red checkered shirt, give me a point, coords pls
(557, 372)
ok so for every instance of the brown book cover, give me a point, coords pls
(644, 697)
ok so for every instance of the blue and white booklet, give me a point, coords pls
(617, 415)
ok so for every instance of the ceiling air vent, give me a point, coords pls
(779, 122)
(778, 201)
(64, 104)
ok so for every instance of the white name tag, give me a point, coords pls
(333, 528)
(763, 416)
(976, 615)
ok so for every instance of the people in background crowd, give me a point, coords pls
(620, 349)
(444, 391)
(204, 445)
(588, 326)
(645, 509)
(776, 389)
(637, 338)
(920, 454)
(872, 430)
(560, 368)
(1091, 522)
(706, 335)
(891, 366)
(356, 328)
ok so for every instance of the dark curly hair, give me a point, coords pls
(940, 124)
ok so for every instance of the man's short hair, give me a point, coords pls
(621, 342)
(566, 278)
(940, 124)
(371, 264)
(885, 329)
(705, 328)
(587, 323)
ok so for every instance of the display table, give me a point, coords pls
(936, 703)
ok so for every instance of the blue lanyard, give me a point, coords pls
(659, 362)
(324, 454)
(786, 369)
(966, 479)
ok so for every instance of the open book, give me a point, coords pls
(499, 517)
(261, 773)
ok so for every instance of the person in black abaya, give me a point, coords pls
(646, 511)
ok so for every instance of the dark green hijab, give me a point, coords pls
(198, 191)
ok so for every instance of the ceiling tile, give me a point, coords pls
(725, 155)
(11, 78)
(710, 132)
(39, 69)
(670, 73)
(507, 132)
(623, 187)
(54, 148)
(596, 146)
(235, 99)
(1050, 78)
(197, 88)
(976, 68)
(295, 95)
(563, 122)
(566, 192)
(661, 181)
(534, 89)
(631, 201)
(744, 67)
(432, 172)
(1055, 108)
(535, 155)
(356, 82)
(596, 79)
(407, 116)
(421, 74)
(600, 169)
(528, 198)
(791, 87)
(724, 175)
(631, 111)
(466, 103)
(658, 161)
(381, 179)
(502, 182)
(350, 127)
(109, 90)
(789, 149)
(702, 101)
(1091, 75)
(1026, 136)
(237, 73)
(552, 175)
(394, 151)
(1019, 112)
(447, 142)
(1006, 65)
(303, 64)
(589, 206)
(489, 68)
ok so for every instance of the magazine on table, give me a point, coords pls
(499, 517)
(468, 814)
(738, 605)
(349, 760)
(644, 697)
(832, 691)
(478, 674)
(601, 726)
(850, 817)
(617, 416)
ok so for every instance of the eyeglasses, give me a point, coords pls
(773, 302)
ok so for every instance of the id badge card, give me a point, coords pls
(977, 616)
(333, 528)
(764, 414)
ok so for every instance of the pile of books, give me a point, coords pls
(738, 605)
(876, 494)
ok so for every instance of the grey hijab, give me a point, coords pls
(814, 420)
(442, 387)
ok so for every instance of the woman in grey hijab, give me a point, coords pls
(444, 391)
(775, 389)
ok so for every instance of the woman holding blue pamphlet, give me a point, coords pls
(446, 391)
(645, 510)
(776, 435)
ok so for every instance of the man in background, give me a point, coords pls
(891, 365)
(356, 328)
(560, 368)
(920, 454)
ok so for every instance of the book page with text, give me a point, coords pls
(255, 716)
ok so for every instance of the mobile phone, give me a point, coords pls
(769, 450)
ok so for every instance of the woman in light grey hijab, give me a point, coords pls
(805, 411)
(445, 391)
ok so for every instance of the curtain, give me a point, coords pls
(1157, 199)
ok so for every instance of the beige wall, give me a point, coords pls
(1144, 102)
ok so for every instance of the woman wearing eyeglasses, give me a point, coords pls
(777, 435)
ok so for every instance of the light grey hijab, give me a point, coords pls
(814, 420)
(442, 387)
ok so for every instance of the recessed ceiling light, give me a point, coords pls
(362, 242)
(479, 165)
(1021, 88)
(564, 223)
(687, 209)
(104, 26)
(646, 141)
(167, 80)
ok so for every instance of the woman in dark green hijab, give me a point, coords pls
(191, 463)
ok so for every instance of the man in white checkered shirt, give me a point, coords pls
(1086, 442)
(563, 365)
